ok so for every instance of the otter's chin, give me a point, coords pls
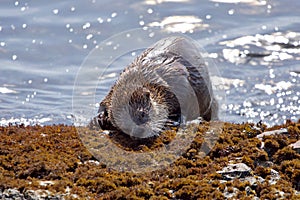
(141, 132)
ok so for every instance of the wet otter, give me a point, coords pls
(166, 85)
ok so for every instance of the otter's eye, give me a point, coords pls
(146, 94)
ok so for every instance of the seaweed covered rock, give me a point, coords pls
(51, 162)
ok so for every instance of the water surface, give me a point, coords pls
(255, 44)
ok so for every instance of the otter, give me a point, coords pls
(167, 85)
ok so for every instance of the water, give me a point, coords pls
(255, 44)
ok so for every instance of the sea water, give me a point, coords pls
(255, 45)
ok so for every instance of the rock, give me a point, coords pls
(296, 146)
(254, 180)
(46, 183)
(230, 194)
(239, 170)
(41, 194)
(274, 177)
(12, 194)
(280, 131)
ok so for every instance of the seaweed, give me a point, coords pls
(53, 158)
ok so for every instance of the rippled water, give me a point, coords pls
(255, 44)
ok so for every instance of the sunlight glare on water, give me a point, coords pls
(255, 44)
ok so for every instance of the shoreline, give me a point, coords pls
(248, 161)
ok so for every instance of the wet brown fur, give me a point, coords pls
(207, 104)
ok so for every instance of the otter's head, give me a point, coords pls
(140, 112)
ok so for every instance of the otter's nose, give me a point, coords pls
(142, 116)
